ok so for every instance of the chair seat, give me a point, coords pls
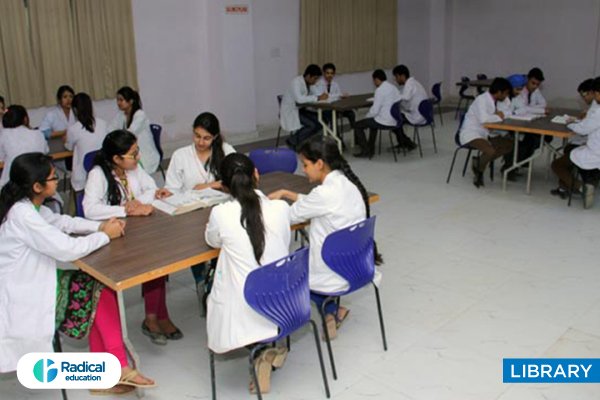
(467, 96)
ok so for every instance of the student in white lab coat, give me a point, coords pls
(328, 85)
(117, 187)
(483, 110)
(134, 119)
(60, 118)
(339, 201)
(379, 115)
(2, 110)
(293, 116)
(251, 231)
(196, 167)
(17, 138)
(412, 93)
(84, 136)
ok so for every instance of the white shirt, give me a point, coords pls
(230, 322)
(588, 155)
(17, 141)
(333, 205)
(581, 139)
(385, 96)
(56, 120)
(186, 170)
(297, 93)
(523, 106)
(30, 244)
(335, 93)
(140, 127)
(480, 112)
(81, 141)
(95, 201)
(412, 94)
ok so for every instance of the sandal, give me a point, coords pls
(262, 367)
(331, 324)
(117, 390)
(155, 337)
(277, 356)
(341, 318)
(128, 379)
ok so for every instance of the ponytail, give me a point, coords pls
(237, 173)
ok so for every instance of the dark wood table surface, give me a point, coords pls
(347, 103)
(540, 126)
(57, 150)
(477, 83)
(161, 244)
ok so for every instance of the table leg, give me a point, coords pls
(128, 345)
(330, 131)
(514, 163)
(528, 160)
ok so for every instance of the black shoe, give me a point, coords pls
(477, 175)
(290, 144)
(174, 335)
(513, 175)
(560, 192)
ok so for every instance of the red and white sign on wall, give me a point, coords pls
(239, 9)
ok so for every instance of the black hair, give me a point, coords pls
(237, 172)
(116, 143)
(14, 116)
(327, 66)
(596, 85)
(2, 100)
(326, 149)
(61, 90)
(210, 123)
(536, 73)
(84, 112)
(586, 86)
(379, 74)
(401, 70)
(25, 170)
(313, 70)
(500, 85)
(131, 95)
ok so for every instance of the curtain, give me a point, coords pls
(356, 35)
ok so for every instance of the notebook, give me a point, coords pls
(525, 117)
(564, 119)
(185, 202)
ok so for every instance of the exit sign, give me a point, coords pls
(239, 9)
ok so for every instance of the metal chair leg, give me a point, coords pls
(379, 133)
(58, 349)
(467, 162)
(433, 136)
(392, 144)
(320, 353)
(418, 137)
(213, 382)
(326, 333)
(278, 136)
(251, 358)
(381, 325)
(440, 112)
(452, 165)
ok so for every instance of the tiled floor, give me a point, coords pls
(471, 276)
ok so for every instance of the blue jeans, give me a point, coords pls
(318, 299)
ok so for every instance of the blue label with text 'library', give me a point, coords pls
(551, 370)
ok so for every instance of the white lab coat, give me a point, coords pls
(523, 106)
(81, 141)
(335, 93)
(385, 96)
(333, 205)
(231, 323)
(56, 120)
(95, 201)
(480, 112)
(30, 244)
(581, 139)
(140, 127)
(412, 94)
(17, 141)
(588, 155)
(297, 93)
(186, 170)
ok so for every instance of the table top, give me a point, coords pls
(347, 103)
(57, 150)
(540, 126)
(477, 83)
(161, 244)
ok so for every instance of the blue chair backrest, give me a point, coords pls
(349, 253)
(272, 160)
(88, 160)
(426, 110)
(460, 124)
(396, 114)
(481, 76)
(279, 292)
(79, 204)
(156, 131)
(436, 90)
(465, 84)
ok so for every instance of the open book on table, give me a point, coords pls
(564, 119)
(181, 203)
(525, 117)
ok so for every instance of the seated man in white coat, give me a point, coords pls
(327, 84)
(412, 93)
(483, 110)
(295, 118)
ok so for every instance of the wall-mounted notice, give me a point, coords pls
(239, 9)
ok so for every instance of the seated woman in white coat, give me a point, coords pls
(196, 167)
(339, 201)
(84, 136)
(59, 118)
(134, 119)
(251, 231)
(17, 138)
(117, 187)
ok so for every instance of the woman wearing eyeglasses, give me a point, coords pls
(118, 187)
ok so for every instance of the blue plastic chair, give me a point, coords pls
(156, 132)
(279, 292)
(88, 164)
(462, 96)
(349, 252)
(273, 160)
(395, 111)
(436, 90)
(426, 110)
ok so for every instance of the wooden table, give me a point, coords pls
(478, 83)
(57, 150)
(161, 244)
(540, 126)
(345, 104)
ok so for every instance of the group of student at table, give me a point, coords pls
(252, 230)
